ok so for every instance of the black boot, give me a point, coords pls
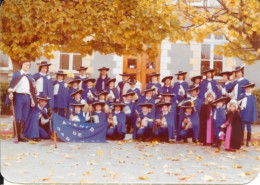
(248, 138)
(22, 138)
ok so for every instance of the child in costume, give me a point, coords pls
(167, 84)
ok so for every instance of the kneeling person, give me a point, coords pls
(77, 114)
(38, 122)
(116, 122)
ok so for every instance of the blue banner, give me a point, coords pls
(70, 131)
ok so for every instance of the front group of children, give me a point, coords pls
(203, 111)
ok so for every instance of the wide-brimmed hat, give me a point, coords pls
(76, 79)
(61, 73)
(44, 63)
(210, 92)
(239, 68)
(249, 84)
(132, 81)
(93, 80)
(193, 87)
(82, 68)
(98, 103)
(162, 104)
(224, 99)
(188, 104)
(128, 94)
(153, 74)
(167, 77)
(196, 77)
(125, 74)
(149, 105)
(168, 94)
(208, 70)
(77, 91)
(77, 104)
(118, 103)
(104, 92)
(43, 97)
(228, 73)
(148, 90)
(103, 68)
(181, 73)
(111, 80)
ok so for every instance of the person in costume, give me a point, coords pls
(147, 98)
(194, 96)
(60, 93)
(180, 87)
(227, 84)
(38, 123)
(98, 116)
(77, 114)
(196, 80)
(43, 82)
(113, 92)
(154, 84)
(102, 97)
(240, 81)
(82, 76)
(22, 92)
(189, 122)
(208, 84)
(219, 118)
(144, 121)
(167, 84)
(129, 110)
(133, 88)
(75, 98)
(206, 128)
(248, 109)
(89, 94)
(123, 86)
(117, 122)
(165, 124)
(102, 79)
(234, 127)
(73, 86)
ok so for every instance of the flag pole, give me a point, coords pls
(15, 126)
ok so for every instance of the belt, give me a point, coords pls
(23, 94)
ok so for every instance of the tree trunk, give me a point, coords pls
(16, 65)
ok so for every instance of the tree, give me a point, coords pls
(237, 20)
(34, 28)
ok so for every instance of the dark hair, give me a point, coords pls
(60, 75)
(193, 109)
(184, 77)
(40, 68)
(100, 75)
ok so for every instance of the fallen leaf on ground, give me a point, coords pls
(100, 152)
(121, 161)
(83, 181)
(33, 142)
(198, 158)
(113, 174)
(104, 168)
(155, 143)
(67, 156)
(87, 173)
(247, 173)
(217, 150)
(237, 166)
(143, 177)
(45, 179)
(183, 178)
(150, 172)
(92, 163)
(207, 178)
(258, 158)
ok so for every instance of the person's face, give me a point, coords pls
(165, 108)
(77, 109)
(75, 84)
(103, 72)
(125, 78)
(98, 107)
(168, 82)
(249, 89)
(89, 84)
(145, 110)
(117, 108)
(197, 81)
(210, 98)
(220, 104)
(180, 77)
(77, 96)
(149, 94)
(232, 107)
(225, 78)
(167, 98)
(26, 66)
(128, 98)
(42, 103)
(111, 84)
(44, 69)
(239, 74)
(193, 93)
(60, 77)
(82, 72)
(154, 78)
(102, 97)
(188, 110)
(209, 74)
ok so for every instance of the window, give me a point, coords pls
(208, 58)
(70, 61)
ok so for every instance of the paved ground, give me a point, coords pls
(126, 162)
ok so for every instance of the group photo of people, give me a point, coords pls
(167, 109)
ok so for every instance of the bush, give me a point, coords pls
(257, 95)
(4, 109)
